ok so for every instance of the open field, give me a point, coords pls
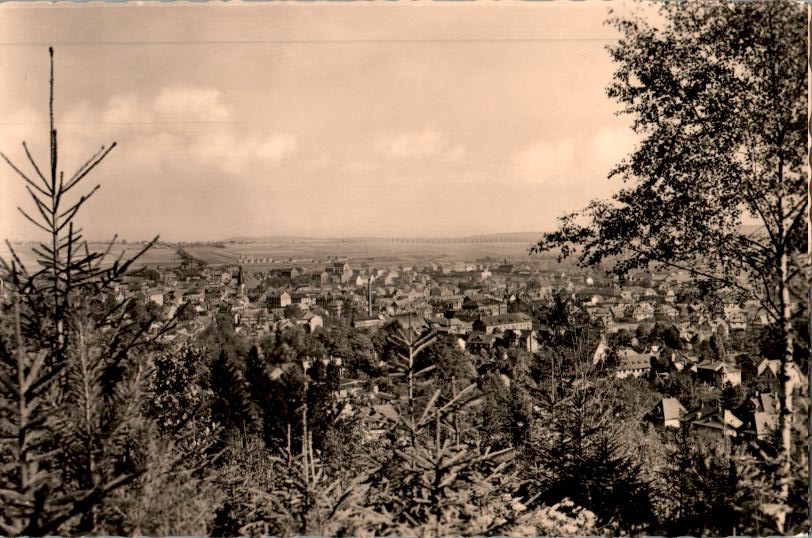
(309, 251)
(158, 255)
(282, 251)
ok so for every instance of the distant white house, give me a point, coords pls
(600, 352)
(156, 296)
(643, 311)
(310, 322)
(279, 300)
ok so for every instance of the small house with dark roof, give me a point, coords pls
(303, 300)
(310, 322)
(633, 364)
(504, 322)
(718, 373)
(452, 326)
(156, 295)
(278, 300)
(479, 341)
(714, 420)
(666, 413)
(368, 322)
(525, 339)
(760, 425)
(767, 378)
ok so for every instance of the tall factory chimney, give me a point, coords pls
(369, 296)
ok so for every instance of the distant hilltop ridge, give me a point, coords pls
(505, 237)
(508, 237)
(516, 237)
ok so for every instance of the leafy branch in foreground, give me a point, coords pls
(718, 95)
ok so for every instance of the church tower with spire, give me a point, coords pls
(240, 283)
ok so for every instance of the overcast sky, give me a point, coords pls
(316, 119)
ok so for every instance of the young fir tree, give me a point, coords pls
(73, 366)
(431, 478)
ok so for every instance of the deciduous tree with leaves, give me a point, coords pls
(718, 94)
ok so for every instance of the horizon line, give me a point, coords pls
(308, 237)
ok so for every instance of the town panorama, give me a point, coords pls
(424, 270)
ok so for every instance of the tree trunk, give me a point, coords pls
(785, 382)
(304, 428)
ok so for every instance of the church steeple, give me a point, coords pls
(240, 284)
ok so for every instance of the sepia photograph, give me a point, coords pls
(418, 269)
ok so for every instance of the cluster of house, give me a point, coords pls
(755, 418)
(660, 301)
(259, 301)
(633, 363)
(481, 305)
